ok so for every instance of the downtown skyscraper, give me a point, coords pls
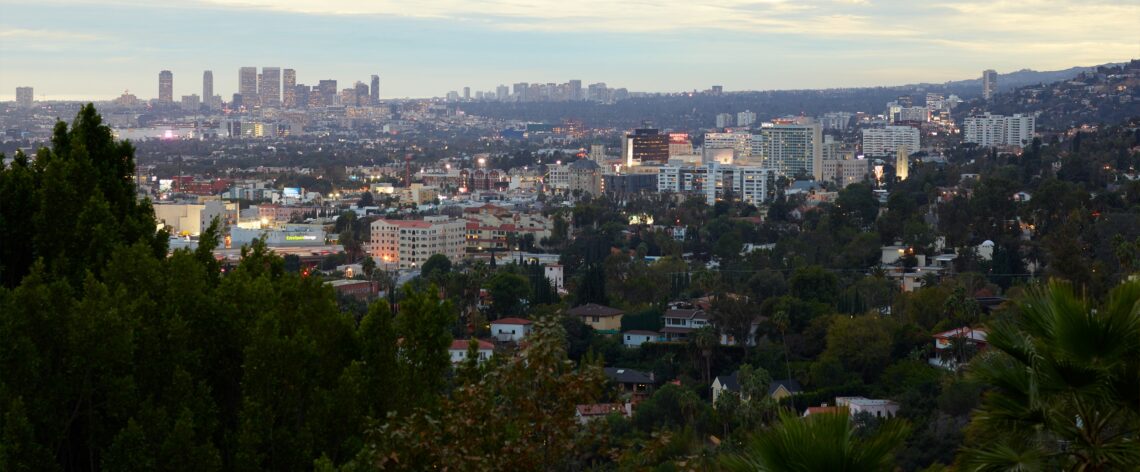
(166, 86)
(270, 87)
(374, 91)
(247, 86)
(208, 88)
(289, 88)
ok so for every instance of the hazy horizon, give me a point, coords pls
(429, 48)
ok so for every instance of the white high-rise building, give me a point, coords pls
(408, 244)
(724, 120)
(792, 149)
(750, 184)
(24, 97)
(884, 142)
(999, 130)
(989, 83)
(745, 118)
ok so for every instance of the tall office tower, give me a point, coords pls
(520, 90)
(24, 97)
(374, 91)
(208, 88)
(502, 93)
(270, 87)
(326, 90)
(989, 83)
(576, 90)
(902, 163)
(289, 88)
(247, 86)
(361, 96)
(645, 146)
(793, 149)
(166, 86)
(466, 93)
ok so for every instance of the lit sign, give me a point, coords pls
(297, 237)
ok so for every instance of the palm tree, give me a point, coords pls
(706, 339)
(823, 441)
(1066, 385)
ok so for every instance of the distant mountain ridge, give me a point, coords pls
(1020, 78)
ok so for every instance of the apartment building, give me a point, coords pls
(407, 244)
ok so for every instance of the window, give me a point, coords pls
(595, 319)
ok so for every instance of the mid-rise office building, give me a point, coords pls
(406, 244)
(502, 93)
(208, 88)
(585, 178)
(166, 86)
(326, 93)
(24, 97)
(645, 146)
(885, 142)
(191, 103)
(844, 172)
(360, 97)
(247, 86)
(680, 144)
(270, 87)
(989, 83)
(740, 143)
(837, 120)
(999, 130)
(374, 90)
(791, 149)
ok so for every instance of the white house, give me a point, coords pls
(876, 408)
(510, 329)
(458, 350)
(635, 338)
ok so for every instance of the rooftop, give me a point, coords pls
(593, 309)
(511, 321)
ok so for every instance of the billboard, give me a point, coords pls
(292, 192)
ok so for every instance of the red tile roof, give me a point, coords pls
(511, 321)
(461, 345)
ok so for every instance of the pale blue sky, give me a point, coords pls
(77, 49)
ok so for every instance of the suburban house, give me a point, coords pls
(458, 350)
(952, 348)
(876, 408)
(589, 412)
(778, 389)
(510, 329)
(602, 318)
(632, 382)
(681, 322)
(635, 338)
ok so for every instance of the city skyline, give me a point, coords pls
(675, 47)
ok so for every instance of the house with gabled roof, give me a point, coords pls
(600, 317)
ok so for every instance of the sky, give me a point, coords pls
(95, 50)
